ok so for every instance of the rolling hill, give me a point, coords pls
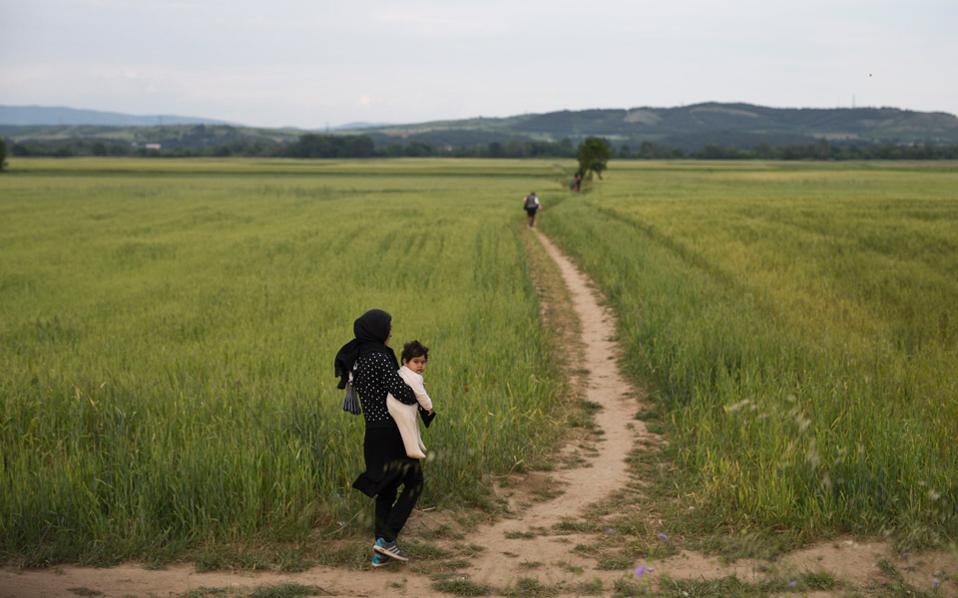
(691, 127)
(686, 128)
(63, 115)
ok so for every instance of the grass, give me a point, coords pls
(629, 587)
(288, 590)
(614, 563)
(425, 551)
(167, 334)
(593, 587)
(796, 324)
(279, 590)
(628, 525)
(733, 586)
(896, 585)
(570, 568)
(292, 561)
(205, 592)
(528, 587)
(216, 558)
(517, 535)
(166, 329)
(462, 587)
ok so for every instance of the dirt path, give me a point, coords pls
(604, 473)
(501, 560)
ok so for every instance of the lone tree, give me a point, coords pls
(3, 153)
(593, 156)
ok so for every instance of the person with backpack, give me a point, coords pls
(576, 184)
(531, 205)
(372, 366)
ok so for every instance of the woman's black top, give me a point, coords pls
(374, 377)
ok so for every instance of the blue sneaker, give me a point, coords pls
(379, 560)
(390, 549)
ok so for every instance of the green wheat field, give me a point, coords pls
(167, 329)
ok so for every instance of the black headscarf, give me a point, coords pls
(371, 330)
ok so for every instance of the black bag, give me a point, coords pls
(351, 400)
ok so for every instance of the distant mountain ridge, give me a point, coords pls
(360, 125)
(690, 127)
(64, 115)
(687, 128)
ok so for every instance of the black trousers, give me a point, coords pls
(392, 513)
(387, 469)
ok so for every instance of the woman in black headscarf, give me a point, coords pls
(374, 368)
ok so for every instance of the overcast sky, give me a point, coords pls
(309, 63)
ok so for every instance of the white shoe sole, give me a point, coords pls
(391, 555)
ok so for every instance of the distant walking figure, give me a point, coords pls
(531, 205)
(576, 184)
(373, 366)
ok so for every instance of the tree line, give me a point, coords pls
(363, 146)
(821, 150)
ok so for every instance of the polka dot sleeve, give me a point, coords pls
(375, 376)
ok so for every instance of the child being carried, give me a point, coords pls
(414, 357)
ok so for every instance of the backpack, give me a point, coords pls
(531, 202)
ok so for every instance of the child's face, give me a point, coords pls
(417, 364)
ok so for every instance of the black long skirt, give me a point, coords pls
(386, 460)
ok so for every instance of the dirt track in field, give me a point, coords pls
(509, 552)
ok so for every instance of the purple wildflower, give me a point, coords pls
(792, 583)
(935, 582)
(662, 536)
(639, 570)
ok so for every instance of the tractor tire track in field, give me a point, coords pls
(507, 547)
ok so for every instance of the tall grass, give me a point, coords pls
(799, 324)
(167, 332)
